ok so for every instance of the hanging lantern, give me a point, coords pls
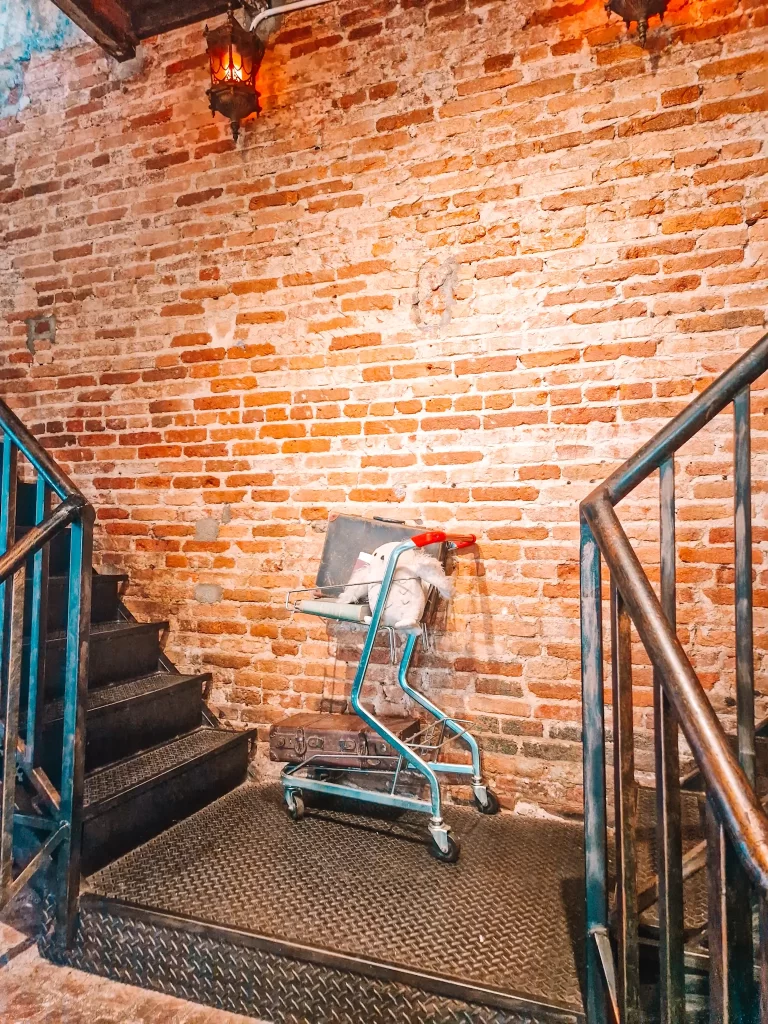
(639, 11)
(234, 55)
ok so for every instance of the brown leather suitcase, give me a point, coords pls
(354, 743)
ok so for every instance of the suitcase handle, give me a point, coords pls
(459, 540)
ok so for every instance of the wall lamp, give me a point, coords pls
(639, 11)
(235, 54)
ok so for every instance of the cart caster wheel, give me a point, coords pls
(447, 857)
(491, 807)
(295, 806)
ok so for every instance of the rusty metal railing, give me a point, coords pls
(736, 825)
(39, 823)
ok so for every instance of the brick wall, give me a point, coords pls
(470, 256)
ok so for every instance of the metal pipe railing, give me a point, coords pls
(280, 9)
(60, 811)
(708, 740)
(714, 755)
(701, 410)
(34, 452)
(39, 536)
(737, 826)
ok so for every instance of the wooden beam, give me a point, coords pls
(107, 22)
(152, 17)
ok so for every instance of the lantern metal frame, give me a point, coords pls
(639, 11)
(234, 58)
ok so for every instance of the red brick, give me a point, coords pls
(365, 303)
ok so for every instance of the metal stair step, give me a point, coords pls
(695, 887)
(58, 550)
(104, 599)
(124, 718)
(129, 802)
(119, 650)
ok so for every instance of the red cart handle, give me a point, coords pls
(459, 540)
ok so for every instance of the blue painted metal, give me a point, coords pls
(75, 692)
(455, 727)
(682, 428)
(21, 440)
(406, 752)
(7, 523)
(314, 785)
(624, 802)
(37, 634)
(11, 702)
(595, 816)
(39, 824)
(62, 811)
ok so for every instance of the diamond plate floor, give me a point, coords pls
(507, 916)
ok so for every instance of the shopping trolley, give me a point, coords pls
(400, 779)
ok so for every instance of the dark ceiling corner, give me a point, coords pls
(118, 25)
(107, 22)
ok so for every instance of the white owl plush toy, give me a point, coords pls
(416, 572)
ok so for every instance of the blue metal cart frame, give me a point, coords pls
(416, 754)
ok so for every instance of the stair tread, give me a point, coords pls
(106, 783)
(113, 626)
(114, 693)
(122, 576)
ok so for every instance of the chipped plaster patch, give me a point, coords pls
(436, 285)
(208, 593)
(41, 333)
(28, 27)
(207, 529)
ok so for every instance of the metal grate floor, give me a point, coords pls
(507, 916)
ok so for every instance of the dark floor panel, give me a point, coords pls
(184, 961)
(507, 916)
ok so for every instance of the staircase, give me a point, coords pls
(152, 752)
(677, 918)
(151, 758)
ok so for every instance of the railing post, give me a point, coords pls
(625, 801)
(742, 518)
(38, 629)
(669, 848)
(745, 665)
(8, 480)
(731, 973)
(593, 726)
(73, 752)
(762, 908)
(15, 619)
